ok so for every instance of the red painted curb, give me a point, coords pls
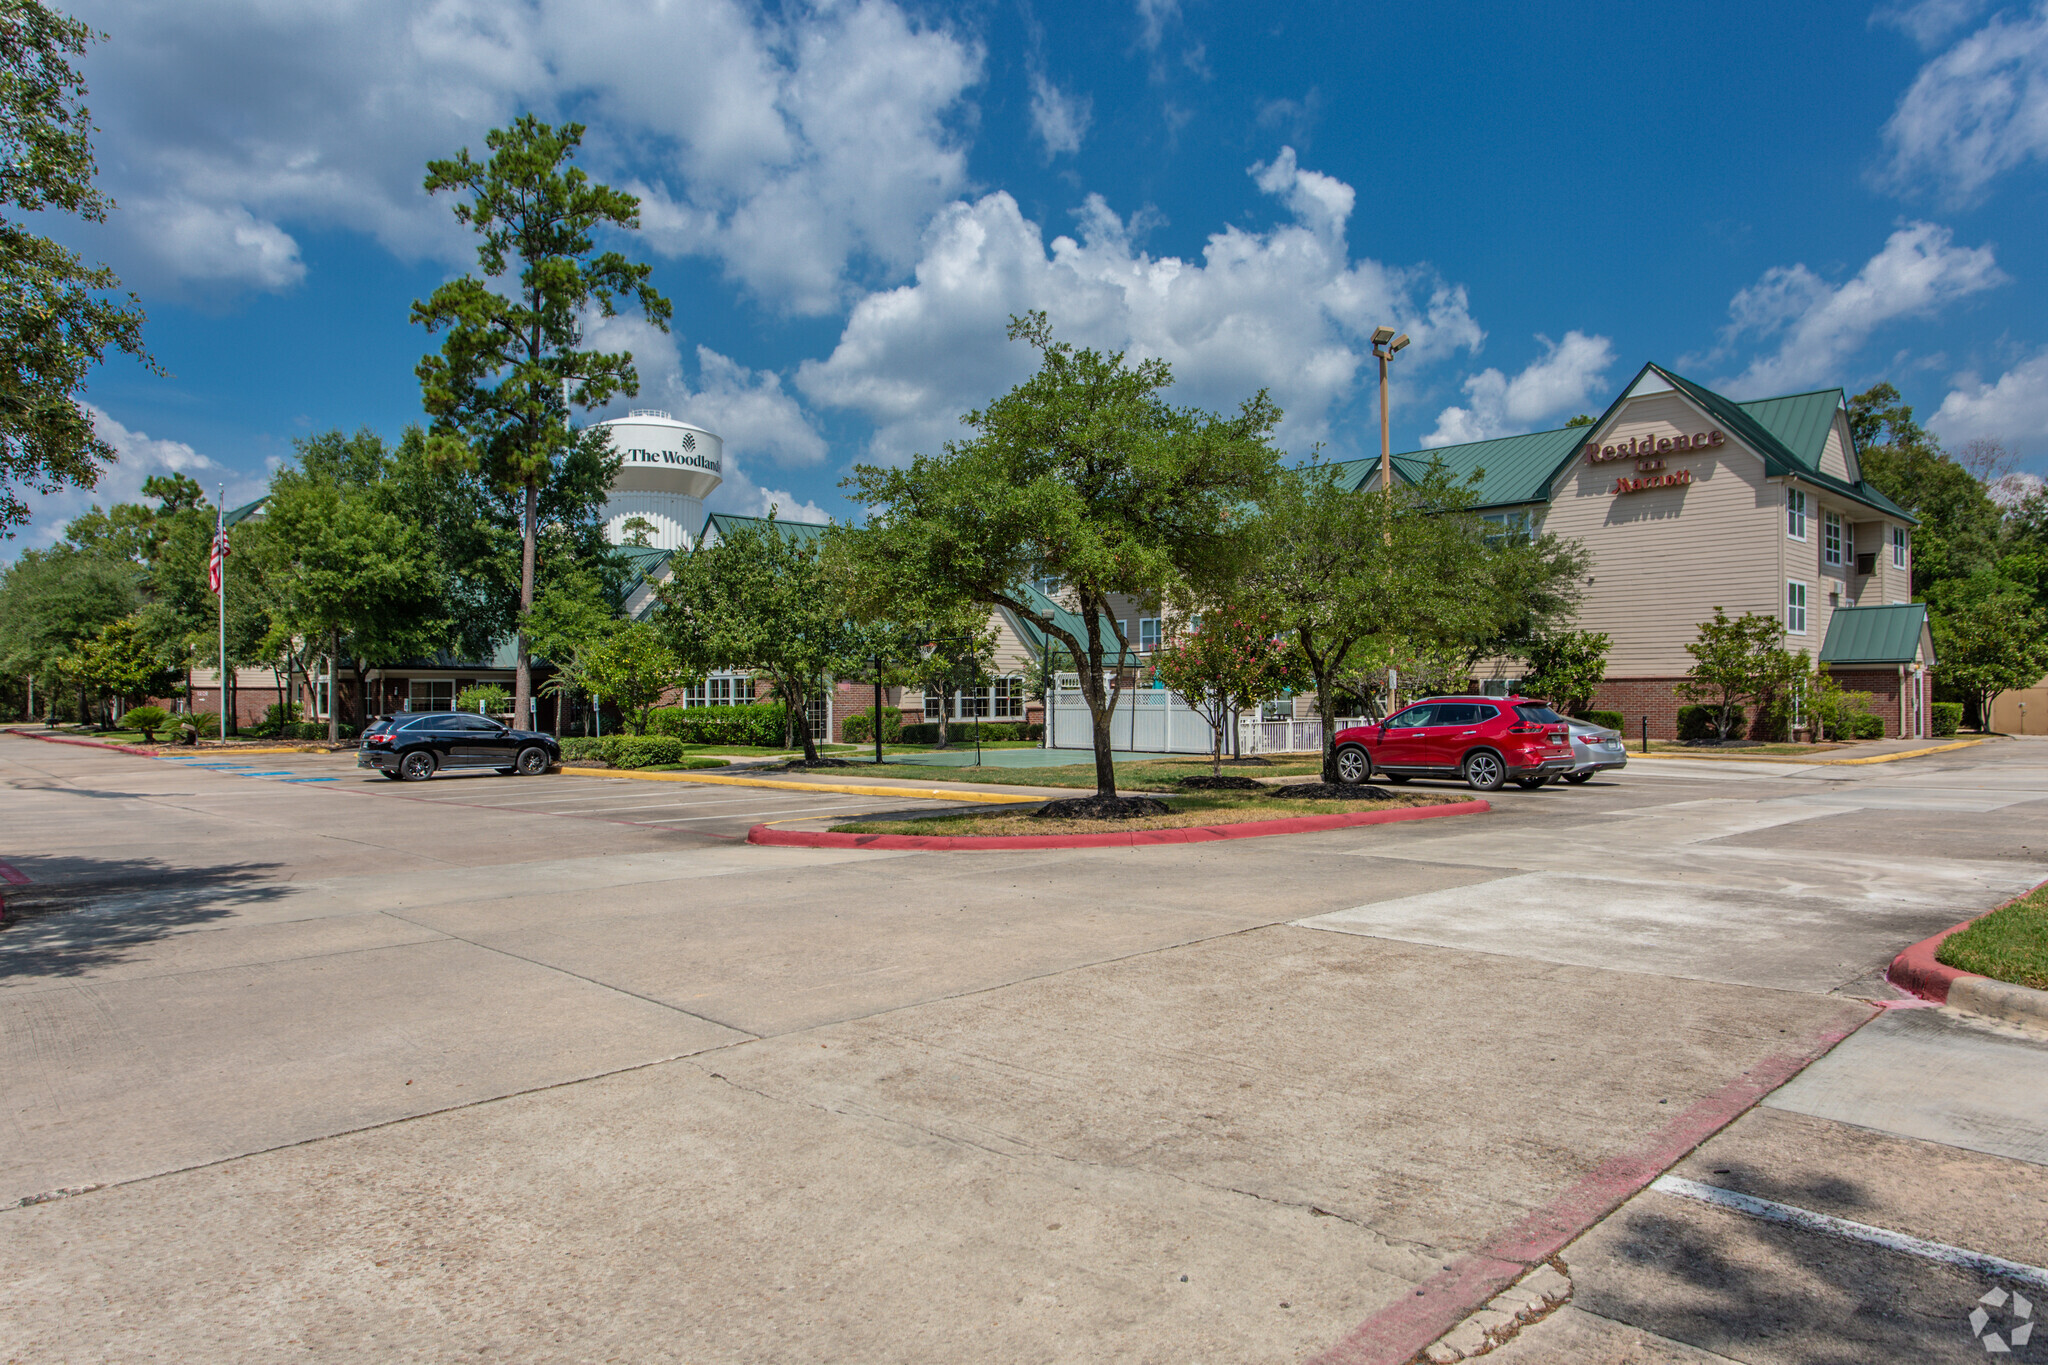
(1395, 1334)
(1916, 969)
(1188, 834)
(87, 743)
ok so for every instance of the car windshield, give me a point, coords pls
(1538, 714)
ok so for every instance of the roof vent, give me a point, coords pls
(651, 412)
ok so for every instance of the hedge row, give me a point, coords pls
(860, 727)
(962, 731)
(757, 724)
(1613, 720)
(625, 751)
(1948, 717)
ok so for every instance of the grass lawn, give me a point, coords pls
(1205, 808)
(1148, 775)
(2007, 945)
(686, 765)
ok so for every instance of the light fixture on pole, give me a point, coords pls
(1385, 346)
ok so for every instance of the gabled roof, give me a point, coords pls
(1513, 469)
(645, 565)
(241, 514)
(1800, 422)
(1877, 635)
(1072, 621)
(725, 523)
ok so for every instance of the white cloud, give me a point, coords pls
(742, 496)
(1562, 377)
(1819, 325)
(139, 456)
(2014, 409)
(1059, 119)
(1929, 21)
(1975, 111)
(1153, 17)
(2010, 490)
(1285, 309)
(793, 147)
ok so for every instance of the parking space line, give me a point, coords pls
(747, 814)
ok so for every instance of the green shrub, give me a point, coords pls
(860, 727)
(1697, 722)
(494, 700)
(962, 731)
(1613, 720)
(1948, 717)
(625, 751)
(314, 730)
(206, 724)
(758, 724)
(150, 719)
(1864, 725)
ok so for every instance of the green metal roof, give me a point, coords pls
(1799, 421)
(1513, 470)
(245, 511)
(1875, 635)
(725, 523)
(1072, 621)
(1788, 432)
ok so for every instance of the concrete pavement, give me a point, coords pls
(673, 1098)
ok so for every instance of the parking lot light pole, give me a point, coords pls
(1385, 346)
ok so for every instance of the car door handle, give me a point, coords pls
(1467, 732)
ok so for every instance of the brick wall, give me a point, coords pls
(1883, 686)
(1635, 698)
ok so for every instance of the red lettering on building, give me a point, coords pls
(1677, 478)
(1649, 447)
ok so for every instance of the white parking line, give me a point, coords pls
(1772, 1211)
(743, 814)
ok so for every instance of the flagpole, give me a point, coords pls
(220, 528)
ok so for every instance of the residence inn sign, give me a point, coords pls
(1648, 452)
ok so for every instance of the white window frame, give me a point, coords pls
(818, 716)
(721, 689)
(1898, 547)
(1277, 708)
(323, 699)
(1795, 513)
(1148, 634)
(1795, 606)
(1831, 529)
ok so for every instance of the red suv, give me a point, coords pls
(1485, 740)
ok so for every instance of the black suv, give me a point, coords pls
(415, 746)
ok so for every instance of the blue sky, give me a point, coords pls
(845, 201)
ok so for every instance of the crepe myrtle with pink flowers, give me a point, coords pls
(1225, 661)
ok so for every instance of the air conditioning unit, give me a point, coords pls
(1866, 563)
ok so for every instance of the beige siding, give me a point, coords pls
(1664, 558)
(1834, 456)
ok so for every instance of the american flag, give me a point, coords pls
(217, 562)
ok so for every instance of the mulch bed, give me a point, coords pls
(1227, 782)
(1102, 808)
(1332, 791)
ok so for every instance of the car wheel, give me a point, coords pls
(1529, 784)
(1484, 772)
(1576, 778)
(532, 761)
(417, 766)
(387, 774)
(1354, 765)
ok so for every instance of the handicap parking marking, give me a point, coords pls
(312, 779)
(281, 772)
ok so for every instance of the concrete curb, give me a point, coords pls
(1918, 971)
(159, 751)
(1817, 762)
(849, 788)
(1141, 838)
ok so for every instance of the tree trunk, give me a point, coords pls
(803, 724)
(561, 699)
(333, 702)
(1216, 758)
(522, 680)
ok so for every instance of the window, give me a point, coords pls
(1795, 513)
(1009, 699)
(1795, 608)
(1002, 699)
(1538, 714)
(1508, 527)
(1831, 539)
(1414, 716)
(1148, 634)
(322, 697)
(1279, 708)
(720, 689)
(1898, 547)
(1049, 584)
(818, 716)
(430, 694)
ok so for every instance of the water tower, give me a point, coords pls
(668, 468)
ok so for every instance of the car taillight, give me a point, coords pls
(1525, 729)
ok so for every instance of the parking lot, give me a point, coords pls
(712, 810)
(558, 1069)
